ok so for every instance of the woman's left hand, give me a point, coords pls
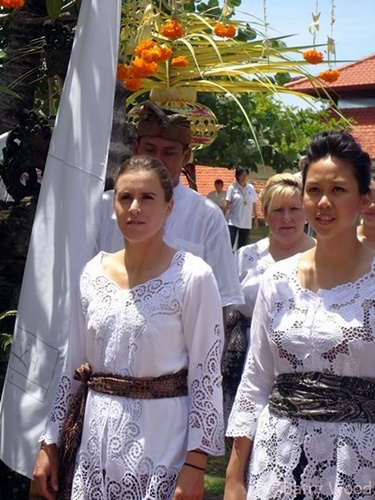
(190, 484)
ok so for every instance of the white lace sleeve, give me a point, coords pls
(203, 332)
(67, 387)
(258, 376)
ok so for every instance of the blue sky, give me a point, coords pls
(353, 30)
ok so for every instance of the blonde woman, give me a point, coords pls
(283, 211)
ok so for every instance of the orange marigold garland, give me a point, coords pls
(152, 55)
(165, 53)
(12, 4)
(142, 68)
(172, 29)
(330, 75)
(148, 54)
(133, 84)
(122, 71)
(180, 62)
(157, 54)
(225, 30)
(313, 56)
(145, 45)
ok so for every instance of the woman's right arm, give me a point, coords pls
(235, 488)
(46, 471)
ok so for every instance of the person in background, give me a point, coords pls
(240, 208)
(218, 195)
(303, 420)
(366, 229)
(195, 225)
(145, 343)
(301, 166)
(283, 212)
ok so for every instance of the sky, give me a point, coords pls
(353, 30)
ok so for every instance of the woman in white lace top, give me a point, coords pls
(148, 322)
(283, 211)
(304, 415)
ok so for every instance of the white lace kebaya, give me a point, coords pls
(135, 448)
(296, 330)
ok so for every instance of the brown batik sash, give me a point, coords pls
(165, 386)
(323, 397)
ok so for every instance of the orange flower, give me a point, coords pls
(172, 29)
(157, 53)
(151, 55)
(330, 75)
(122, 71)
(225, 31)
(313, 56)
(145, 45)
(12, 4)
(133, 84)
(165, 53)
(180, 62)
(142, 68)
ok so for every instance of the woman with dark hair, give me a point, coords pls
(303, 421)
(145, 343)
(240, 208)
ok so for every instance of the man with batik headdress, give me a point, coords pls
(195, 225)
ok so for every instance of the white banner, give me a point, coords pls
(63, 235)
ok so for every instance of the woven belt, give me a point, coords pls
(165, 386)
(323, 397)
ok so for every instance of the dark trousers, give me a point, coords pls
(243, 235)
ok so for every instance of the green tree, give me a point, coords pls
(282, 132)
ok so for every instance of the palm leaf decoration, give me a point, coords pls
(246, 62)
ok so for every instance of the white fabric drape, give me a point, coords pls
(63, 234)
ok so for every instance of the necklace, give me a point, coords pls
(243, 194)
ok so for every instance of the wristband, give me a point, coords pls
(195, 467)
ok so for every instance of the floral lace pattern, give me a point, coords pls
(296, 330)
(252, 261)
(150, 330)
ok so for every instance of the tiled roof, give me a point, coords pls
(364, 130)
(358, 75)
(354, 78)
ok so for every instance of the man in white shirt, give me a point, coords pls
(240, 208)
(218, 195)
(195, 224)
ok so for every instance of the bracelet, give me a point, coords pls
(195, 467)
(199, 451)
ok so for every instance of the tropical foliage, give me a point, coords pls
(215, 53)
(282, 132)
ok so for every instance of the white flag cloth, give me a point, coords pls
(63, 235)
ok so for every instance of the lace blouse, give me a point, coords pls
(296, 330)
(135, 448)
(252, 261)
